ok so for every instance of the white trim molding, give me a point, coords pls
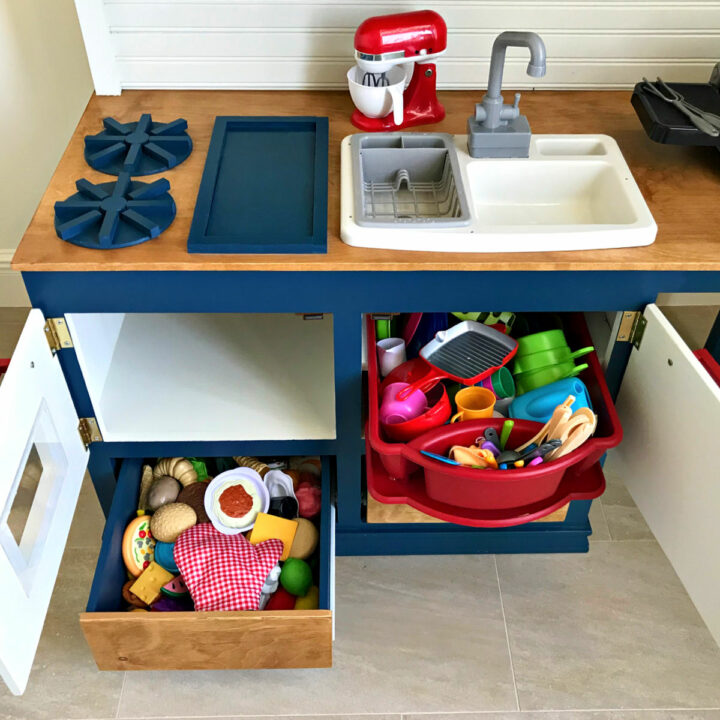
(99, 46)
(12, 288)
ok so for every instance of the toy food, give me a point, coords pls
(281, 599)
(200, 469)
(294, 475)
(269, 586)
(163, 490)
(308, 497)
(224, 572)
(179, 468)
(175, 588)
(172, 604)
(311, 601)
(147, 587)
(306, 540)
(267, 527)
(257, 465)
(138, 545)
(194, 496)
(164, 556)
(296, 577)
(234, 499)
(130, 597)
(171, 520)
(145, 483)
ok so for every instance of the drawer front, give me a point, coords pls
(121, 640)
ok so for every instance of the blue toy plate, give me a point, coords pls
(264, 187)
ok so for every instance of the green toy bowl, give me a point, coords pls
(527, 381)
(537, 342)
(538, 360)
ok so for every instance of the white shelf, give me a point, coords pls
(207, 377)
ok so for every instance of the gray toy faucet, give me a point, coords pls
(499, 130)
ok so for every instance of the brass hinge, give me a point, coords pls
(89, 431)
(57, 334)
(632, 328)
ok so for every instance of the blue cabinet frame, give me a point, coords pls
(347, 295)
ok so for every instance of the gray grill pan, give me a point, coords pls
(466, 352)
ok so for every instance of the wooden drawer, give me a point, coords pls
(121, 640)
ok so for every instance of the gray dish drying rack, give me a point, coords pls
(407, 179)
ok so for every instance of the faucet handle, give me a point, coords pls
(516, 104)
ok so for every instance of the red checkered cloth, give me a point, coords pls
(224, 572)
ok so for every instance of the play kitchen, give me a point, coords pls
(521, 442)
(221, 336)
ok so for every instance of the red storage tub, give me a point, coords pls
(488, 498)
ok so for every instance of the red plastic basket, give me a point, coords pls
(492, 497)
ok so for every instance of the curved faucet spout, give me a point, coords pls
(512, 38)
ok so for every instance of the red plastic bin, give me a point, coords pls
(492, 497)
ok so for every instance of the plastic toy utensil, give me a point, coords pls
(561, 414)
(507, 427)
(491, 435)
(440, 458)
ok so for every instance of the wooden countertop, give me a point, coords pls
(680, 185)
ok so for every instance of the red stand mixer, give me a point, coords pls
(385, 46)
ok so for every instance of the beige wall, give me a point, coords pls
(44, 87)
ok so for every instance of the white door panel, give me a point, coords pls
(669, 407)
(43, 463)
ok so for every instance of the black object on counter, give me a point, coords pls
(664, 123)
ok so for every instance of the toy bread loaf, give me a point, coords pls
(145, 483)
(179, 468)
(257, 465)
(171, 520)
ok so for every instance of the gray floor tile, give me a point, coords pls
(9, 335)
(598, 523)
(578, 715)
(65, 682)
(624, 520)
(610, 629)
(413, 634)
(89, 521)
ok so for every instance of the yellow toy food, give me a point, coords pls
(138, 545)
(148, 586)
(179, 468)
(311, 601)
(267, 527)
(171, 520)
(306, 539)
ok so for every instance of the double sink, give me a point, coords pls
(423, 191)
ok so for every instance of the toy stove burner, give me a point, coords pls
(139, 148)
(115, 214)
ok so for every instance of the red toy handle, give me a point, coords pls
(425, 383)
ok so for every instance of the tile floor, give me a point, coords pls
(608, 635)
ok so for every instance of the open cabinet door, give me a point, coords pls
(669, 407)
(43, 463)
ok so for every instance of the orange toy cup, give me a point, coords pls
(474, 403)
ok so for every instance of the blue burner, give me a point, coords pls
(139, 148)
(115, 214)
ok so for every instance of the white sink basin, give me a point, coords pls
(574, 192)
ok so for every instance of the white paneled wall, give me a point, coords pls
(273, 44)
